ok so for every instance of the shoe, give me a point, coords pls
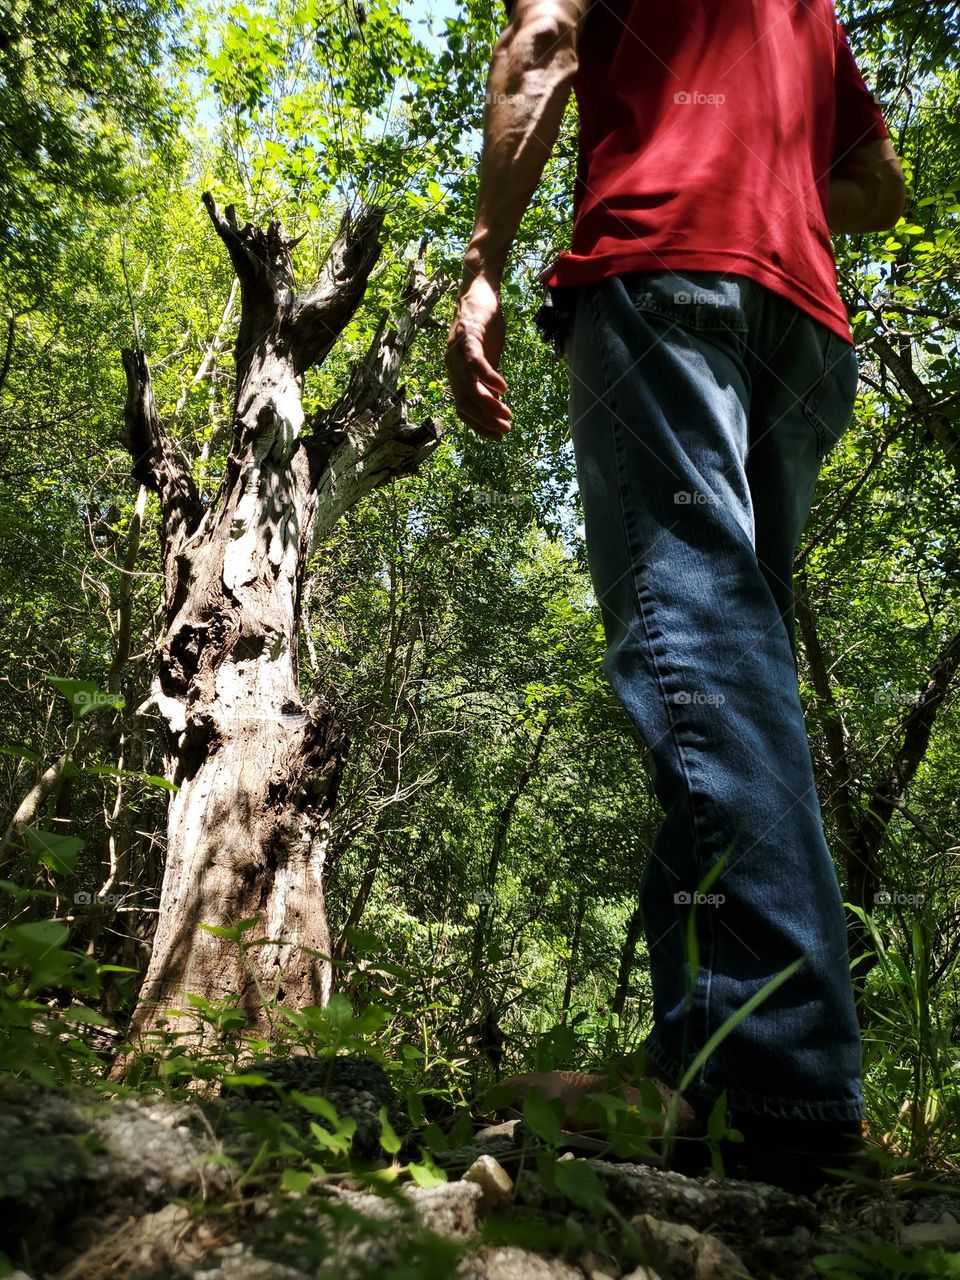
(799, 1155)
(574, 1087)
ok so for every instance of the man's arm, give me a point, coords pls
(868, 192)
(531, 75)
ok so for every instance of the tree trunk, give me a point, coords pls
(628, 955)
(862, 822)
(256, 767)
(579, 912)
(502, 826)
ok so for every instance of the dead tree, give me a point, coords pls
(256, 768)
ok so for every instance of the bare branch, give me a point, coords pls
(915, 730)
(366, 437)
(920, 396)
(320, 315)
(156, 462)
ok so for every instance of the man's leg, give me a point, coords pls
(804, 384)
(698, 653)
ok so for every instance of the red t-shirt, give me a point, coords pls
(708, 130)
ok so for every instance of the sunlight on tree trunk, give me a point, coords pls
(256, 768)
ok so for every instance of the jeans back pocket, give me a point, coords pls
(828, 404)
(702, 300)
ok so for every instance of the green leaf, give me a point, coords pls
(461, 1131)
(317, 1105)
(415, 1108)
(84, 696)
(435, 1138)
(38, 947)
(578, 1182)
(425, 1173)
(338, 1010)
(338, 1143)
(362, 941)
(111, 771)
(58, 852)
(542, 1117)
(388, 1138)
(717, 1120)
(250, 1078)
(373, 1019)
(296, 1180)
(233, 933)
(86, 1016)
(611, 1106)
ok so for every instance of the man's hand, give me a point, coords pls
(474, 348)
(531, 75)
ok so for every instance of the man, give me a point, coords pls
(711, 369)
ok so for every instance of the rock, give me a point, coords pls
(714, 1260)
(510, 1263)
(494, 1132)
(240, 1263)
(68, 1152)
(596, 1267)
(931, 1235)
(668, 1235)
(681, 1251)
(449, 1210)
(355, 1085)
(744, 1209)
(502, 1141)
(533, 1191)
(938, 1207)
(151, 1244)
(496, 1185)
(151, 1145)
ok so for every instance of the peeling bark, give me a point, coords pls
(257, 768)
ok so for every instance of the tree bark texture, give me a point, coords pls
(256, 767)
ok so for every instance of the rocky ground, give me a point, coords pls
(148, 1189)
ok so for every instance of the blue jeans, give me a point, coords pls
(701, 408)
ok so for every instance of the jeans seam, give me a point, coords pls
(743, 1103)
(812, 402)
(640, 591)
